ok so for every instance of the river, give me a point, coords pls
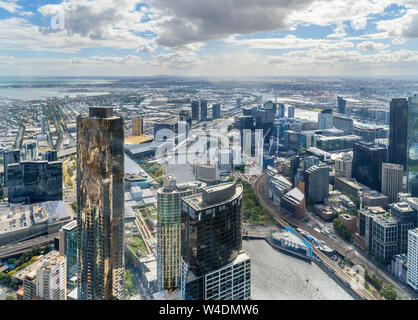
(279, 276)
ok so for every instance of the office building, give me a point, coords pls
(408, 220)
(282, 110)
(137, 126)
(34, 181)
(343, 166)
(100, 205)
(343, 123)
(293, 203)
(291, 112)
(412, 273)
(203, 110)
(317, 183)
(10, 157)
(341, 105)
(390, 231)
(238, 103)
(195, 110)
(294, 166)
(367, 164)
(325, 119)
(392, 179)
(384, 242)
(168, 230)
(50, 156)
(412, 154)
(30, 151)
(216, 111)
(207, 173)
(398, 130)
(213, 263)
(68, 247)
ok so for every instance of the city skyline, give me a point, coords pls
(200, 38)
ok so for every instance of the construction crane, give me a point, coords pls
(359, 194)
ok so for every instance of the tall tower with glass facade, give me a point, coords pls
(100, 205)
(168, 229)
(412, 154)
(214, 267)
(398, 127)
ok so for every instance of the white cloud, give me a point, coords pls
(290, 42)
(10, 6)
(370, 46)
(398, 41)
(405, 26)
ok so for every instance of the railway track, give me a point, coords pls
(278, 216)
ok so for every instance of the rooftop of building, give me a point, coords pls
(138, 139)
(70, 226)
(220, 194)
(30, 270)
(14, 217)
(295, 196)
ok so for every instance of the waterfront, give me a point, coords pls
(278, 276)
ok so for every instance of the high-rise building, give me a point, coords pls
(412, 273)
(34, 181)
(47, 278)
(10, 157)
(325, 119)
(367, 164)
(343, 166)
(30, 151)
(317, 183)
(203, 110)
(195, 110)
(282, 110)
(137, 126)
(392, 177)
(294, 166)
(43, 125)
(412, 154)
(51, 279)
(343, 123)
(238, 102)
(291, 112)
(100, 205)
(390, 231)
(68, 246)
(50, 156)
(398, 131)
(214, 267)
(168, 230)
(216, 111)
(341, 105)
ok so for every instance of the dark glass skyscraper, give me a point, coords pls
(213, 264)
(341, 105)
(216, 111)
(412, 155)
(398, 131)
(195, 110)
(367, 164)
(10, 157)
(100, 205)
(203, 110)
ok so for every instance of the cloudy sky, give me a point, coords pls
(209, 37)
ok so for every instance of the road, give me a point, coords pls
(18, 248)
(283, 219)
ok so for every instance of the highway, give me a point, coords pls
(21, 247)
(260, 186)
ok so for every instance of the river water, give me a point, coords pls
(278, 276)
